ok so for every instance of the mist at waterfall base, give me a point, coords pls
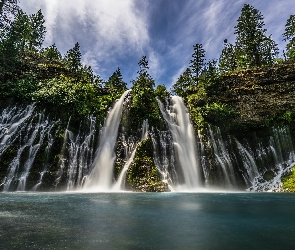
(186, 162)
(147, 221)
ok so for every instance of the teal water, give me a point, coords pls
(147, 221)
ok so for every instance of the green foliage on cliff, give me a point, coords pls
(218, 113)
(288, 181)
(162, 93)
(144, 104)
(143, 175)
(29, 73)
(245, 86)
(73, 95)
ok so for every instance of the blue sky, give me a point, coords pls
(117, 33)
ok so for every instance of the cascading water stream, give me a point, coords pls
(31, 135)
(281, 150)
(248, 163)
(11, 124)
(101, 176)
(164, 156)
(222, 157)
(184, 142)
(42, 128)
(120, 184)
(80, 153)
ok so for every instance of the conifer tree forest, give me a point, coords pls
(222, 91)
(30, 72)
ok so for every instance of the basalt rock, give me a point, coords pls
(143, 175)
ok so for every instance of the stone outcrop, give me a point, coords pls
(260, 94)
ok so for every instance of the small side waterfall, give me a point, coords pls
(222, 158)
(254, 164)
(29, 129)
(80, 155)
(43, 128)
(177, 118)
(12, 123)
(164, 157)
(46, 165)
(120, 184)
(276, 157)
(101, 176)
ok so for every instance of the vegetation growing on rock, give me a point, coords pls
(247, 90)
(288, 181)
(143, 175)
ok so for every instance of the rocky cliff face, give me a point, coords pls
(260, 94)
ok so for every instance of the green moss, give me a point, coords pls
(143, 175)
(269, 175)
(289, 181)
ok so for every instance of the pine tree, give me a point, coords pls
(161, 92)
(210, 74)
(144, 77)
(27, 32)
(13, 41)
(73, 58)
(227, 60)
(289, 36)
(116, 82)
(183, 83)
(144, 105)
(38, 31)
(52, 53)
(253, 47)
(197, 64)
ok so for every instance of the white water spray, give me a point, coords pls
(184, 141)
(101, 176)
(120, 184)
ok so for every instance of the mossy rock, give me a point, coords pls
(288, 181)
(143, 175)
(268, 175)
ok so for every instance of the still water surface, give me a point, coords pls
(147, 221)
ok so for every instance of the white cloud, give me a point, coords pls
(115, 33)
(155, 63)
(89, 59)
(115, 26)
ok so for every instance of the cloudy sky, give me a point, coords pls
(117, 33)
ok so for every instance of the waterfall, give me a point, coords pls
(12, 121)
(177, 118)
(101, 176)
(120, 184)
(279, 157)
(248, 162)
(62, 157)
(37, 153)
(164, 157)
(30, 130)
(222, 158)
(253, 164)
(80, 153)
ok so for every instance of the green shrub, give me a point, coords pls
(218, 113)
(288, 181)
